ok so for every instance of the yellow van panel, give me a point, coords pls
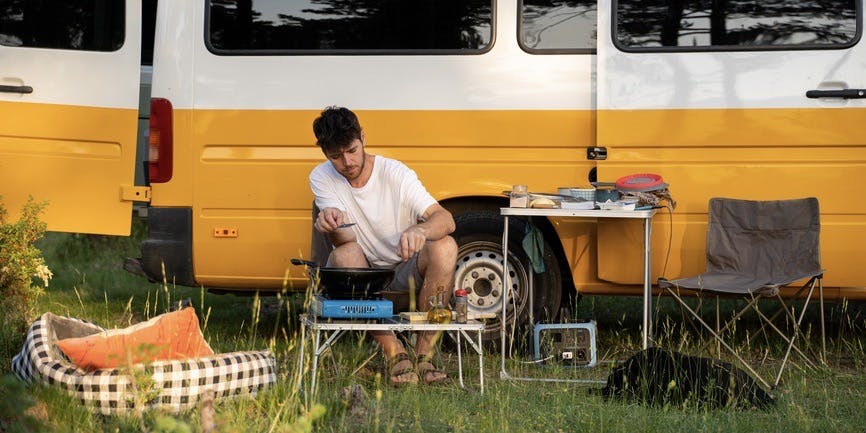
(772, 127)
(765, 154)
(76, 158)
(250, 172)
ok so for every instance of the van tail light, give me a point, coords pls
(160, 141)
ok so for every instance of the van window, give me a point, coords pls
(736, 24)
(349, 26)
(91, 25)
(557, 26)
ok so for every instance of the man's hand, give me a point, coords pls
(329, 219)
(437, 223)
(411, 242)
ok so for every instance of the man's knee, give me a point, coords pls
(442, 252)
(349, 254)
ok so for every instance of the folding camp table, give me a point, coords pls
(645, 215)
(338, 327)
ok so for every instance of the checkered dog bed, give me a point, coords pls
(180, 382)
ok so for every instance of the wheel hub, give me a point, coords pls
(479, 272)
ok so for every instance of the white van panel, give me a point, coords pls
(498, 80)
(77, 77)
(172, 49)
(503, 79)
(753, 79)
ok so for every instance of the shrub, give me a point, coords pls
(20, 263)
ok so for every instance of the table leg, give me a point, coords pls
(506, 289)
(460, 358)
(315, 361)
(479, 349)
(647, 285)
(481, 362)
(303, 341)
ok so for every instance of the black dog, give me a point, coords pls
(661, 377)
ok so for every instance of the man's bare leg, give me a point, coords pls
(350, 255)
(436, 264)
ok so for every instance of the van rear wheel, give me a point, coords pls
(479, 271)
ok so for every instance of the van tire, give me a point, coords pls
(479, 268)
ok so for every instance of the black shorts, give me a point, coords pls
(406, 276)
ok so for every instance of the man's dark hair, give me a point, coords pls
(336, 128)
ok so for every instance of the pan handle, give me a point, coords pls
(300, 262)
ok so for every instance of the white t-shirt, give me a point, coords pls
(391, 201)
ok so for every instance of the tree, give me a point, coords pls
(769, 22)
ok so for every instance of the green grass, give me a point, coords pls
(89, 283)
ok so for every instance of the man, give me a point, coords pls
(398, 225)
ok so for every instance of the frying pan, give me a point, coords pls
(347, 283)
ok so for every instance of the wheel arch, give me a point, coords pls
(461, 205)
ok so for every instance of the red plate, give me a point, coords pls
(640, 182)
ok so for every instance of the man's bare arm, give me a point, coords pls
(438, 223)
(329, 220)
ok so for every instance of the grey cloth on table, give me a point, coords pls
(533, 245)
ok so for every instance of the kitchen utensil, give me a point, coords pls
(347, 283)
(584, 193)
(641, 182)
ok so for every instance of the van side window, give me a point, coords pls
(89, 25)
(736, 24)
(349, 26)
(557, 26)
(148, 29)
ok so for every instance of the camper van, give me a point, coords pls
(737, 98)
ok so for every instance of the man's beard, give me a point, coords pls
(348, 172)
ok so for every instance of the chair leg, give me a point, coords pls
(734, 319)
(823, 334)
(718, 319)
(777, 313)
(745, 364)
(811, 286)
(694, 327)
(769, 322)
(699, 307)
(796, 332)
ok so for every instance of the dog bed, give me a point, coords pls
(179, 382)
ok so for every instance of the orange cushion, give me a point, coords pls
(174, 335)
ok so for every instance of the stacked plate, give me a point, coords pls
(576, 198)
(577, 204)
(641, 182)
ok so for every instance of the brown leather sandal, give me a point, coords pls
(430, 374)
(401, 370)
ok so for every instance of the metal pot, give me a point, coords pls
(347, 283)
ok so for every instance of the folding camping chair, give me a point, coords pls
(753, 249)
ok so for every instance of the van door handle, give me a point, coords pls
(844, 94)
(16, 89)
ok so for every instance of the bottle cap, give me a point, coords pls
(460, 292)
